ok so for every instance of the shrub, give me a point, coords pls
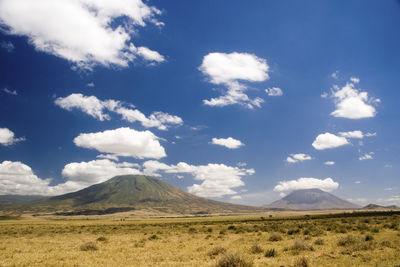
(319, 242)
(192, 230)
(270, 253)
(101, 239)
(216, 251)
(256, 248)
(233, 260)
(301, 262)
(89, 246)
(231, 227)
(153, 237)
(348, 240)
(369, 238)
(300, 244)
(275, 237)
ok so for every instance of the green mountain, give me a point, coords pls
(136, 192)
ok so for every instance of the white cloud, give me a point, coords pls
(370, 134)
(306, 183)
(241, 164)
(328, 140)
(10, 92)
(229, 142)
(8, 46)
(324, 95)
(274, 91)
(357, 182)
(237, 197)
(393, 200)
(281, 194)
(147, 54)
(335, 75)
(367, 156)
(91, 84)
(351, 103)
(96, 108)
(329, 163)
(96, 171)
(123, 142)
(293, 158)
(355, 79)
(218, 180)
(388, 189)
(17, 178)
(229, 70)
(7, 137)
(85, 32)
(353, 134)
(108, 156)
(91, 105)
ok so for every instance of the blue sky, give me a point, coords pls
(91, 90)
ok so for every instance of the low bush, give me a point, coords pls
(270, 253)
(274, 237)
(89, 246)
(233, 260)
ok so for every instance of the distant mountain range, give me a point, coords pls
(311, 199)
(379, 207)
(139, 192)
(128, 192)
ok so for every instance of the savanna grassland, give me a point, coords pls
(351, 239)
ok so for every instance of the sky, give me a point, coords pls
(234, 101)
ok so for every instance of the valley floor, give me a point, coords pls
(352, 239)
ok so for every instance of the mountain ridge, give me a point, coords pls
(311, 199)
(137, 192)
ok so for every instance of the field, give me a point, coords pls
(342, 239)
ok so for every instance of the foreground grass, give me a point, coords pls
(340, 240)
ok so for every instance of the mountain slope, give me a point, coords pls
(311, 199)
(138, 192)
(379, 207)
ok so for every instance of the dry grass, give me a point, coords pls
(245, 241)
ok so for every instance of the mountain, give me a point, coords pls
(129, 192)
(379, 207)
(311, 199)
(13, 199)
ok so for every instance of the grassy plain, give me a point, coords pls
(351, 239)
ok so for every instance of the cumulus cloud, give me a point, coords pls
(123, 142)
(229, 142)
(96, 171)
(293, 158)
(274, 91)
(217, 180)
(147, 54)
(17, 178)
(328, 140)
(353, 134)
(10, 92)
(306, 183)
(84, 32)
(351, 103)
(330, 163)
(7, 137)
(97, 108)
(108, 156)
(367, 156)
(230, 70)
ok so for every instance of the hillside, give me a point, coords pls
(379, 207)
(311, 199)
(135, 192)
